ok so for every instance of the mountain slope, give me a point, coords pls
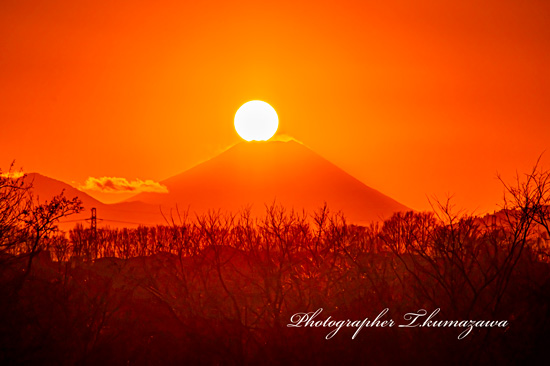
(259, 173)
(45, 188)
(124, 214)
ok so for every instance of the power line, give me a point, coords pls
(93, 220)
(76, 220)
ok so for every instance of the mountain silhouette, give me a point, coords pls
(45, 188)
(255, 174)
(124, 214)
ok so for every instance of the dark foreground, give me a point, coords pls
(221, 292)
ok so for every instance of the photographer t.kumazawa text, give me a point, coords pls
(412, 320)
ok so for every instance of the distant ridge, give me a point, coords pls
(46, 188)
(125, 214)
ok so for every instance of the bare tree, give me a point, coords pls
(24, 220)
(14, 206)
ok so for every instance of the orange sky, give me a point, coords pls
(413, 98)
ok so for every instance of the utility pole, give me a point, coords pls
(93, 222)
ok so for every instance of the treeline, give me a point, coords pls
(228, 285)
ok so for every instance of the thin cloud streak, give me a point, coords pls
(122, 185)
(12, 175)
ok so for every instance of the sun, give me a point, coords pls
(256, 121)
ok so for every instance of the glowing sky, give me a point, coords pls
(413, 98)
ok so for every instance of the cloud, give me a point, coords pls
(122, 185)
(12, 175)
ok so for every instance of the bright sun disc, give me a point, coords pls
(256, 121)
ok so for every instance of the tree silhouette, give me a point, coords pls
(24, 221)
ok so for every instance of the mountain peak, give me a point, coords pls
(259, 173)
